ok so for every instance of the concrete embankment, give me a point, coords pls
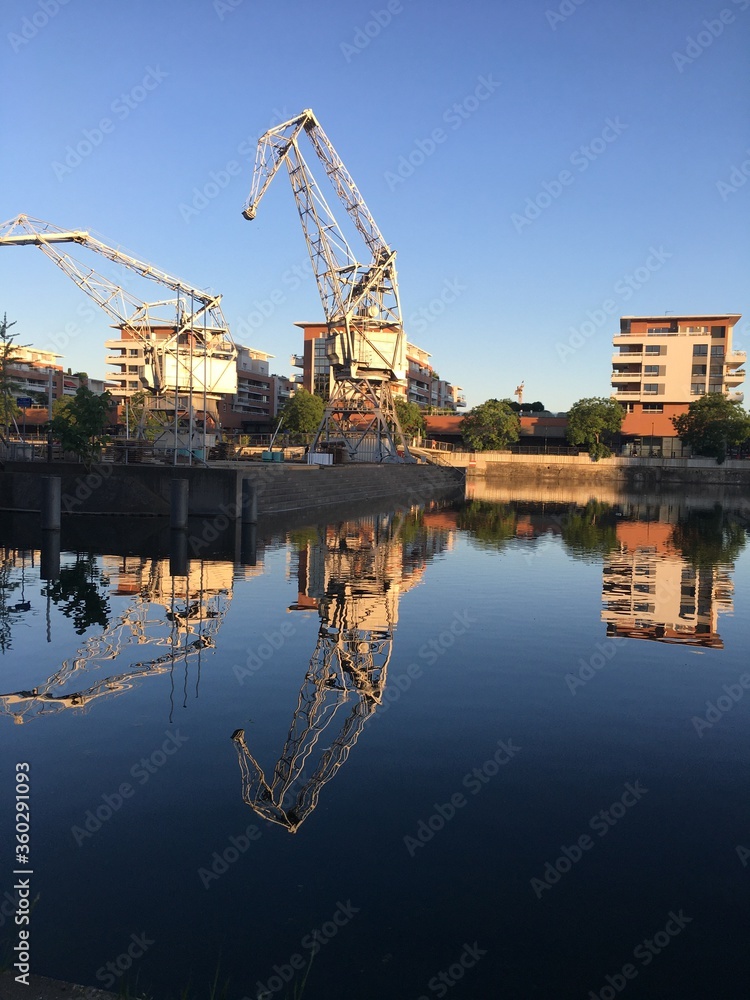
(630, 474)
(121, 489)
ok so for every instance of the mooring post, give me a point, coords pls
(51, 503)
(179, 504)
(249, 544)
(50, 560)
(178, 553)
(249, 502)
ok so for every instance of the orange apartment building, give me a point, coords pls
(661, 364)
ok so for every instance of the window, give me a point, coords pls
(715, 387)
(624, 326)
(655, 349)
(700, 350)
(717, 351)
(133, 352)
(653, 408)
(717, 369)
(718, 332)
(651, 388)
(652, 370)
(699, 370)
(695, 329)
(133, 369)
(698, 389)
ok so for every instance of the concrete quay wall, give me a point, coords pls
(635, 473)
(145, 490)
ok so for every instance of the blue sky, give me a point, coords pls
(538, 166)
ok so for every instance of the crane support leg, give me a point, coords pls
(361, 415)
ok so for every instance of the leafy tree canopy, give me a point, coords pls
(302, 413)
(592, 422)
(9, 356)
(79, 422)
(711, 424)
(409, 416)
(491, 425)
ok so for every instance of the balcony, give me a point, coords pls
(736, 397)
(735, 357)
(297, 379)
(296, 361)
(734, 377)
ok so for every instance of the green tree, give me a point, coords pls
(708, 538)
(493, 525)
(409, 416)
(591, 531)
(593, 422)
(9, 357)
(79, 422)
(491, 425)
(712, 424)
(302, 414)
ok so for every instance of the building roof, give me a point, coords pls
(673, 316)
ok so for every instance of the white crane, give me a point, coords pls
(366, 345)
(185, 339)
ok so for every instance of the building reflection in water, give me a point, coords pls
(652, 590)
(168, 621)
(353, 574)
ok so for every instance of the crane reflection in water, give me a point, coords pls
(353, 574)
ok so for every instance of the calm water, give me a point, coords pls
(496, 749)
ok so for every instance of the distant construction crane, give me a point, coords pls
(185, 339)
(366, 345)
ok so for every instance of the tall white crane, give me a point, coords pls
(366, 345)
(185, 338)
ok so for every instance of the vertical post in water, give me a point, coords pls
(179, 504)
(249, 502)
(51, 503)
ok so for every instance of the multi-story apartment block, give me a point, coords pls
(38, 374)
(662, 363)
(259, 396)
(424, 385)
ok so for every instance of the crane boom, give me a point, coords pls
(192, 313)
